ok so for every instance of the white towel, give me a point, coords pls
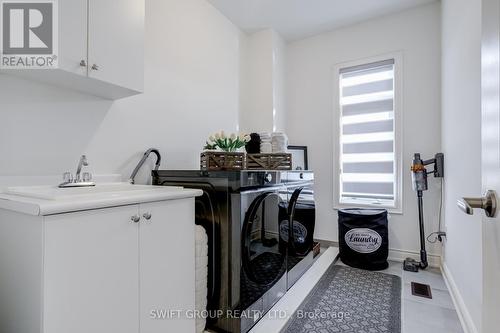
(200, 234)
(201, 272)
(201, 275)
(202, 262)
(279, 142)
(203, 252)
(201, 285)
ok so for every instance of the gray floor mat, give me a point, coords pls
(350, 300)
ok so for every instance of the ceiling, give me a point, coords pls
(296, 19)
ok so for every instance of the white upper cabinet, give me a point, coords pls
(101, 48)
(73, 36)
(116, 42)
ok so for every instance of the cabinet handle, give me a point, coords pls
(147, 216)
(94, 67)
(83, 63)
(135, 218)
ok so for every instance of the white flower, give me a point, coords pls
(247, 138)
(222, 135)
(217, 136)
(233, 136)
(211, 138)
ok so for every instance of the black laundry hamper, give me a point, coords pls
(364, 238)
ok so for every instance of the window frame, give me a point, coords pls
(397, 208)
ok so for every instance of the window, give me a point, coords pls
(368, 170)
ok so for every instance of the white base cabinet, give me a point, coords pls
(167, 281)
(98, 270)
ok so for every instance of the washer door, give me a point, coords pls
(263, 262)
(302, 212)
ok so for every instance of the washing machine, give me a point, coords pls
(260, 226)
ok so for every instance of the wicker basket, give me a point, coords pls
(217, 160)
(272, 161)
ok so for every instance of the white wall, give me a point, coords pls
(192, 89)
(310, 107)
(461, 137)
(279, 75)
(257, 99)
(262, 93)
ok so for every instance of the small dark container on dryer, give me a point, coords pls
(364, 238)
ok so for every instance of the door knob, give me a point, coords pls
(147, 216)
(83, 63)
(488, 202)
(135, 218)
(94, 67)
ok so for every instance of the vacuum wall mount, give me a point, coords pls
(419, 179)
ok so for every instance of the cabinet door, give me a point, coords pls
(116, 42)
(91, 277)
(167, 265)
(73, 36)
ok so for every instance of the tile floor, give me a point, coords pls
(436, 315)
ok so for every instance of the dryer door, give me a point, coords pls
(298, 231)
(264, 264)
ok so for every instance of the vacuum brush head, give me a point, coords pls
(411, 265)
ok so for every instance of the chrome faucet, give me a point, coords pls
(83, 162)
(79, 180)
(143, 160)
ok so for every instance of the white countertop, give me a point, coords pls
(49, 200)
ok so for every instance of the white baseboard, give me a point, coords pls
(462, 311)
(400, 255)
(396, 254)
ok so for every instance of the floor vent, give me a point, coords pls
(421, 290)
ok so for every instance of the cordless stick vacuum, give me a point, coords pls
(419, 178)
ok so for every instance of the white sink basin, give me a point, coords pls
(101, 190)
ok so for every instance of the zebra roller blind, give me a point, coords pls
(367, 134)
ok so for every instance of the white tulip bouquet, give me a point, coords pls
(227, 143)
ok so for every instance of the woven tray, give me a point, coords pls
(269, 161)
(215, 161)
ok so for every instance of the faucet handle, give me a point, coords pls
(68, 177)
(86, 177)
